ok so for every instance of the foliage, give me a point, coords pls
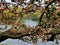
(1, 44)
(50, 22)
(19, 9)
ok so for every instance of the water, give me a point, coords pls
(15, 42)
(3, 28)
(30, 23)
(20, 42)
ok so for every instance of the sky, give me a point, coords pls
(27, 1)
(8, 0)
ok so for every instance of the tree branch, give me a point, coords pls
(44, 11)
(8, 34)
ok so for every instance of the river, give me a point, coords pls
(20, 42)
